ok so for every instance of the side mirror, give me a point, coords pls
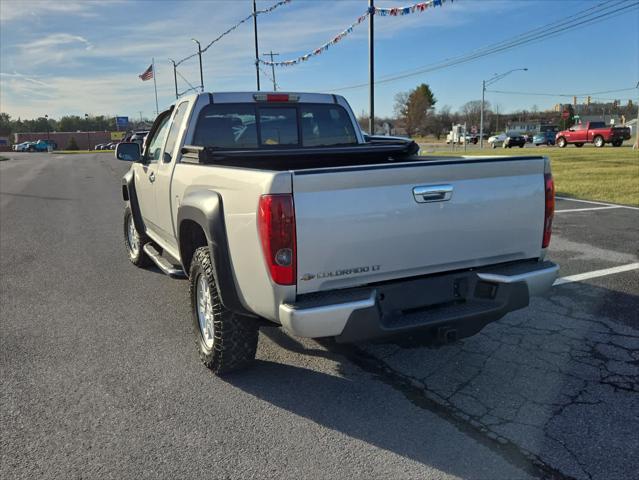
(128, 151)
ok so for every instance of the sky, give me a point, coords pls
(71, 57)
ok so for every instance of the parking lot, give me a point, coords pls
(101, 379)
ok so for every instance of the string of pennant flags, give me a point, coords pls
(231, 29)
(383, 12)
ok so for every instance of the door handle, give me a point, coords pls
(152, 177)
(433, 193)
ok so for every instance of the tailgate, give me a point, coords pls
(358, 225)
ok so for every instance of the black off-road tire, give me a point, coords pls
(235, 336)
(617, 143)
(561, 142)
(139, 258)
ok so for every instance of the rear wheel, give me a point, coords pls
(599, 141)
(225, 340)
(561, 142)
(521, 146)
(617, 143)
(579, 145)
(134, 241)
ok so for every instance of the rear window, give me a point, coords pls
(248, 126)
(597, 125)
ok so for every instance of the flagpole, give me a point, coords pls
(157, 109)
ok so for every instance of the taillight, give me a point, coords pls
(276, 224)
(549, 210)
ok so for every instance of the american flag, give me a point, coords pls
(148, 74)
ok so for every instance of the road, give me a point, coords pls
(100, 377)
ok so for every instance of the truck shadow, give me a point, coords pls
(356, 404)
(522, 388)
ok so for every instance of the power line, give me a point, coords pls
(562, 94)
(559, 27)
(229, 30)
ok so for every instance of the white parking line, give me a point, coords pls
(596, 203)
(589, 209)
(596, 273)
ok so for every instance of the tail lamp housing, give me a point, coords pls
(549, 211)
(276, 226)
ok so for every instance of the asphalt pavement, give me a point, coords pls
(100, 376)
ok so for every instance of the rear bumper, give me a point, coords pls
(451, 305)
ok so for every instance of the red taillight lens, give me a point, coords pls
(276, 224)
(550, 208)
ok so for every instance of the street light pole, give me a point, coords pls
(271, 54)
(199, 52)
(86, 117)
(46, 117)
(371, 67)
(484, 84)
(257, 57)
(174, 76)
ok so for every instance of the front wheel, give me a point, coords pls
(561, 142)
(134, 241)
(599, 141)
(226, 341)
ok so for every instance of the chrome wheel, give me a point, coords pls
(205, 312)
(133, 238)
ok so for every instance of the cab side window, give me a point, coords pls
(154, 149)
(174, 130)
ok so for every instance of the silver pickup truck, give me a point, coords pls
(278, 208)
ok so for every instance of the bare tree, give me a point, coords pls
(471, 111)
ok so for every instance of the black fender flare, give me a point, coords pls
(129, 195)
(205, 208)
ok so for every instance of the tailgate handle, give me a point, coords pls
(433, 193)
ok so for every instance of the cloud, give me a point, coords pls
(11, 11)
(56, 40)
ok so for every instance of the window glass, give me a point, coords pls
(226, 126)
(325, 125)
(278, 126)
(155, 146)
(174, 130)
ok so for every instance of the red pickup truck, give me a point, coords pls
(592, 132)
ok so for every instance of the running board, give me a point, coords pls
(162, 263)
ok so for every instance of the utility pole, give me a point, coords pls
(140, 112)
(174, 76)
(199, 52)
(46, 117)
(371, 67)
(481, 115)
(257, 55)
(271, 54)
(636, 145)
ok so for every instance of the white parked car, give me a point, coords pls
(497, 140)
(22, 147)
